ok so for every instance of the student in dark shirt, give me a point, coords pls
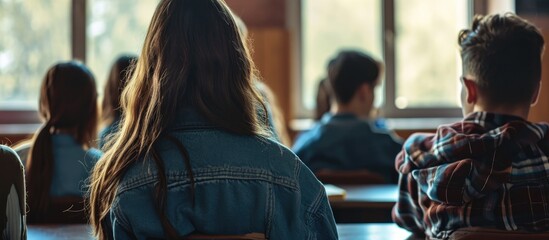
(347, 138)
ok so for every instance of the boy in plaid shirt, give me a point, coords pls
(492, 168)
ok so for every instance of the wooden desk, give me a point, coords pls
(366, 204)
(372, 231)
(60, 232)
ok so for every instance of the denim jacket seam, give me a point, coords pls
(200, 128)
(270, 210)
(136, 182)
(179, 178)
(120, 217)
(314, 211)
(297, 168)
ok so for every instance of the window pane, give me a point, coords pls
(32, 39)
(427, 59)
(503, 6)
(115, 28)
(329, 26)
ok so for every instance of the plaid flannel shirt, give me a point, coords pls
(488, 170)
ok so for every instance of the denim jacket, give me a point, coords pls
(243, 184)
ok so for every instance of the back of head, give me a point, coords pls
(121, 71)
(348, 71)
(68, 100)
(68, 104)
(503, 52)
(193, 55)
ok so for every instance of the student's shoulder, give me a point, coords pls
(274, 148)
(9, 163)
(379, 128)
(420, 138)
(311, 136)
(542, 126)
(278, 156)
(94, 153)
(8, 155)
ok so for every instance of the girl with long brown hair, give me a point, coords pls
(61, 156)
(121, 71)
(192, 155)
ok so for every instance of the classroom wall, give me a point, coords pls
(260, 14)
(270, 38)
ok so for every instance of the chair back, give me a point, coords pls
(62, 210)
(475, 233)
(249, 236)
(12, 195)
(349, 177)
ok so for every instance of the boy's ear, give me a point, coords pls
(363, 91)
(472, 90)
(535, 98)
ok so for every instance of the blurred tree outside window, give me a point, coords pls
(115, 28)
(330, 26)
(34, 35)
(426, 61)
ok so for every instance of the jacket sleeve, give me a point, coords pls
(120, 230)
(407, 213)
(459, 182)
(322, 221)
(458, 169)
(318, 218)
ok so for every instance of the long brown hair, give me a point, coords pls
(193, 55)
(68, 103)
(121, 71)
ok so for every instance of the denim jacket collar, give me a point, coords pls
(188, 117)
(491, 120)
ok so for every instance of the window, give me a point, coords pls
(427, 63)
(330, 26)
(35, 34)
(417, 40)
(112, 32)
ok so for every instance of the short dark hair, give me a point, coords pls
(348, 71)
(503, 51)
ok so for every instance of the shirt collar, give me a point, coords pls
(491, 120)
(340, 116)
